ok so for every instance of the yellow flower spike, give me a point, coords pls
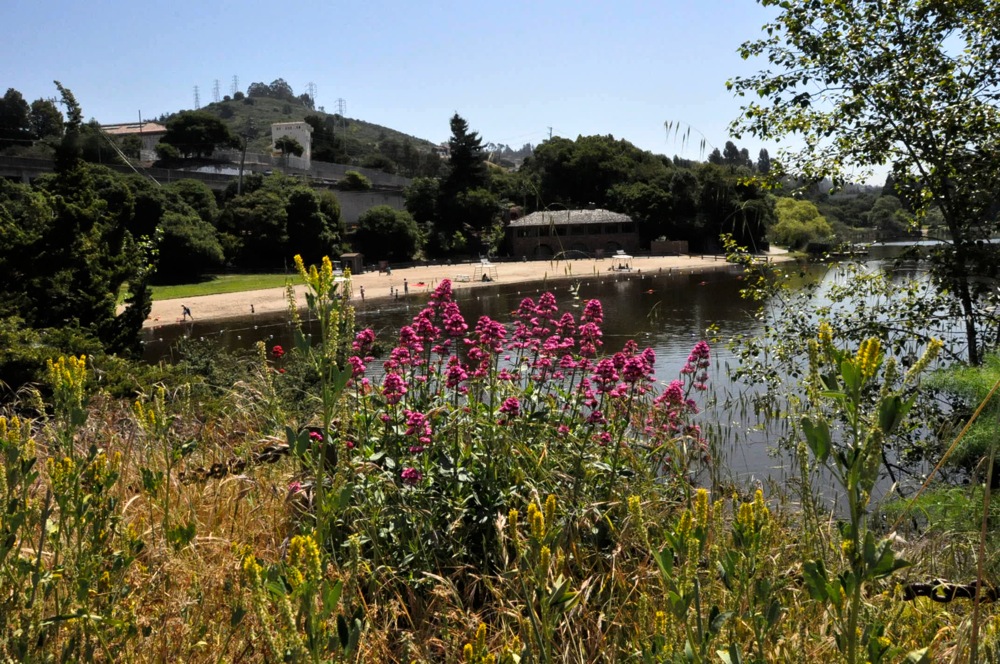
(326, 279)
(481, 638)
(930, 354)
(868, 357)
(536, 521)
(550, 509)
(544, 560)
(684, 525)
(701, 507)
(300, 267)
(313, 278)
(660, 624)
(467, 653)
(304, 557)
(825, 338)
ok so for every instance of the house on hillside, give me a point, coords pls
(301, 132)
(593, 232)
(148, 133)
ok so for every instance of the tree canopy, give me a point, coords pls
(907, 83)
(196, 133)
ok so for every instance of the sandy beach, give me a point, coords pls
(423, 279)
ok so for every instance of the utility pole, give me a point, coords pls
(215, 91)
(550, 133)
(197, 99)
(236, 84)
(243, 157)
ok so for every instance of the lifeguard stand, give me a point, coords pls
(485, 271)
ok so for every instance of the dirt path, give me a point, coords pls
(417, 280)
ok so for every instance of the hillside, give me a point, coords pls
(335, 138)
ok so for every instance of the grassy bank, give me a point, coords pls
(224, 283)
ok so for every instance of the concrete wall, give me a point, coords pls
(354, 203)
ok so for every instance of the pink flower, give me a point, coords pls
(363, 341)
(411, 476)
(357, 366)
(277, 352)
(418, 425)
(315, 436)
(593, 312)
(393, 388)
(511, 407)
(455, 374)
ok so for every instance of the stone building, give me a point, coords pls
(593, 232)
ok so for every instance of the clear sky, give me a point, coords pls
(512, 69)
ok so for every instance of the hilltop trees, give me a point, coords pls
(907, 83)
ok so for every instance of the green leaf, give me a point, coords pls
(331, 596)
(733, 655)
(665, 561)
(852, 377)
(817, 582)
(717, 619)
(818, 438)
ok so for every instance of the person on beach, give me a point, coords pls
(361, 289)
(186, 313)
(406, 287)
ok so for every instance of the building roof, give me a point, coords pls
(127, 129)
(568, 217)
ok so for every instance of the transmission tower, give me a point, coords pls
(311, 90)
(215, 91)
(236, 84)
(197, 98)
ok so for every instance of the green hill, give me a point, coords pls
(335, 138)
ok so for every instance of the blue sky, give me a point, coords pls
(512, 69)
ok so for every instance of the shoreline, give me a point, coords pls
(423, 279)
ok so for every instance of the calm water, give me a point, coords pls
(667, 312)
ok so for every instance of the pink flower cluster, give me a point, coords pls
(606, 398)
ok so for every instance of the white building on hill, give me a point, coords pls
(301, 132)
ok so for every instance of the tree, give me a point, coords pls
(15, 126)
(46, 120)
(255, 228)
(288, 145)
(198, 133)
(421, 199)
(799, 223)
(198, 195)
(310, 233)
(907, 83)
(763, 162)
(466, 170)
(387, 234)
(188, 248)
